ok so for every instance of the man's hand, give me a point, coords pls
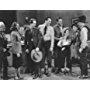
(51, 49)
(18, 54)
(37, 49)
(4, 50)
(63, 48)
(27, 51)
(80, 50)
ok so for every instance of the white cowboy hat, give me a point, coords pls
(36, 55)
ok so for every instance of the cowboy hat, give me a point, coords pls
(82, 19)
(36, 55)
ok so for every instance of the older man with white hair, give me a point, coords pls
(83, 46)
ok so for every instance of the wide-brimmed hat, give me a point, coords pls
(82, 19)
(36, 55)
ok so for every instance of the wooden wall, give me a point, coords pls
(67, 15)
(8, 16)
(40, 15)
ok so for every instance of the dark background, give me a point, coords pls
(8, 17)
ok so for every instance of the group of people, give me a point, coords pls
(46, 48)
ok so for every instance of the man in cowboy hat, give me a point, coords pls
(83, 46)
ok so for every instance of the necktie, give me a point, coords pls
(45, 29)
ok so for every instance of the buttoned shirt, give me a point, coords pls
(49, 33)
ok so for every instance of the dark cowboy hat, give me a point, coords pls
(82, 19)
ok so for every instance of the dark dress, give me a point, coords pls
(17, 61)
(16, 49)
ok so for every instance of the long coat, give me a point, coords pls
(32, 40)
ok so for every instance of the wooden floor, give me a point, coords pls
(60, 76)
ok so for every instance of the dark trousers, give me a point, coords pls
(3, 59)
(57, 55)
(32, 67)
(29, 65)
(29, 62)
(17, 61)
(47, 53)
(23, 56)
(66, 56)
(83, 62)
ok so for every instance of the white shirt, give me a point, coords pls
(49, 33)
(83, 37)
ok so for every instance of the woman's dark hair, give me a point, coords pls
(27, 20)
(31, 20)
(58, 18)
(74, 25)
(14, 26)
(47, 18)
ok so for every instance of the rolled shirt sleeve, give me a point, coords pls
(49, 34)
(52, 37)
(84, 38)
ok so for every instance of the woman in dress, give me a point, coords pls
(16, 48)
